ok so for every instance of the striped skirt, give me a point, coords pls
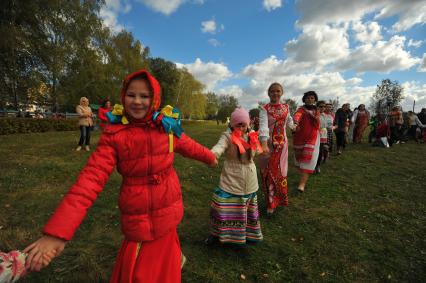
(235, 218)
(330, 140)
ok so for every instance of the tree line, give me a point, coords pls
(55, 51)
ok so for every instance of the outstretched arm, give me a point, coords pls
(73, 207)
(191, 149)
(219, 148)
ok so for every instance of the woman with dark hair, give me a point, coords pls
(340, 122)
(306, 138)
(106, 107)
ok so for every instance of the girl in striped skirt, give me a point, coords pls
(234, 212)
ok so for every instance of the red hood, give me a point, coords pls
(155, 86)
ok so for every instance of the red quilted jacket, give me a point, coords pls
(150, 196)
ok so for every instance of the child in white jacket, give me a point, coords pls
(234, 212)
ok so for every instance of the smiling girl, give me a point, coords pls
(150, 201)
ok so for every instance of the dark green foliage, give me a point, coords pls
(227, 104)
(388, 94)
(28, 125)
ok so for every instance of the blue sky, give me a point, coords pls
(339, 48)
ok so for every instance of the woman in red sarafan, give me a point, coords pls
(306, 139)
(150, 201)
(274, 117)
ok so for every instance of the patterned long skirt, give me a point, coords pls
(330, 139)
(234, 218)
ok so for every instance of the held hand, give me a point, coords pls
(214, 164)
(265, 148)
(42, 251)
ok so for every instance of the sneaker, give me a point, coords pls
(87, 148)
(211, 240)
(78, 148)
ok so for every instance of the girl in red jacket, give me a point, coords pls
(142, 148)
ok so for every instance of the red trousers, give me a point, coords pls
(149, 262)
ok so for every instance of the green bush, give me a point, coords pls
(28, 125)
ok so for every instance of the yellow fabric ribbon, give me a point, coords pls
(118, 110)
(167, 111)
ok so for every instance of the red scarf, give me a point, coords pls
(238, 140)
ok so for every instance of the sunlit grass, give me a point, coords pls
(363, 219)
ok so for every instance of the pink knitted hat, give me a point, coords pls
(240, 115)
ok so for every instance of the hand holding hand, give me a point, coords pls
(265, 148)
(214, 163)
(42, 251)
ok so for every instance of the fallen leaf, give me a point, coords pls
(242, 276)
(322, 274)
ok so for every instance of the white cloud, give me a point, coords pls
(369, 32)
(214, 42)
(211, 27)
(270, 5)
(110, 11)
(409, 13)
(165, 7)
(210, 73)
(296, 80)
(321, 44)
(208, 26)
(383, 56)
(233, 90)
(413, 91)
(422, 67)
(415, 43)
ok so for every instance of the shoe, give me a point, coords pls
(339, 152)
(269, 212)
(301, 189)
(78, 148)
(182, 260)
(317, 170)
(211, 240)
(87, 148)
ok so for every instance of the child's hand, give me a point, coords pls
(42, 251)
(214, 164)
(265, 148)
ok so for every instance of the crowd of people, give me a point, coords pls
(140, 140)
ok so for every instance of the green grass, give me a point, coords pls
(363, 219)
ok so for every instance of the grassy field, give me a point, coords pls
(363, 219)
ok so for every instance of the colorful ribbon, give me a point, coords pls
(237, 139)
(116, 116)
(170, 119)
